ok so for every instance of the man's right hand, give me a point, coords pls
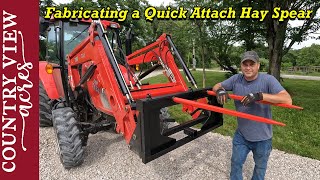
(222, 95)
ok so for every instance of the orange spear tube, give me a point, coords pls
(227, 111)
(236, 97)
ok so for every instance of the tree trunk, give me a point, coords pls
(202, 56)
(276, 42)
(203, 67)
(275, 35)
(274, 63)
(249, 41)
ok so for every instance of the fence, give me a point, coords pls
(304, 69)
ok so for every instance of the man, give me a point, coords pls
(251, 135)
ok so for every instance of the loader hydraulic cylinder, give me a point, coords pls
(113, 62)
(184, 66)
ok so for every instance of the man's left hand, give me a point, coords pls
(252, 97)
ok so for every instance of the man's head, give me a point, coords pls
(250, 65)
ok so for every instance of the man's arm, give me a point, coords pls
(282, 97)
(216, 87)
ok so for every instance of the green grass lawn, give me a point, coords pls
(301, 135)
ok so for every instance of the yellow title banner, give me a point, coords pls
(179, 13)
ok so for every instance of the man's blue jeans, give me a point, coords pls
(240, 149)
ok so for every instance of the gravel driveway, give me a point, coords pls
(208, 157)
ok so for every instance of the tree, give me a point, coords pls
(214, 38)
(142, 30)
(180, 31)
(43, 4)
(222, 36)
(250, 32)
(277, 33)
(307, 56)
(200, 28)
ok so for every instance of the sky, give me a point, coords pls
(294, 23)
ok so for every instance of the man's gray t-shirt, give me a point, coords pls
(265, 83)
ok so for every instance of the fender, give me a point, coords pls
(51, 82)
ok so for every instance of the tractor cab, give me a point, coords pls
(63, 36)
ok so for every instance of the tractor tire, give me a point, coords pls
(164, 115)
(45, 118)
(68, 138)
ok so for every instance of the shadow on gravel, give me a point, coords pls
(196, 158)
(99, 144)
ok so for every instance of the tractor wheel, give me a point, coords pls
(45, 118)
(68, 137)
(164, 116)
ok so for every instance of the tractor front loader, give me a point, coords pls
(98, 90)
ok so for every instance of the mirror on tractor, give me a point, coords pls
(129, 37)
(43, 26)
(73, 22)
(57, 39)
